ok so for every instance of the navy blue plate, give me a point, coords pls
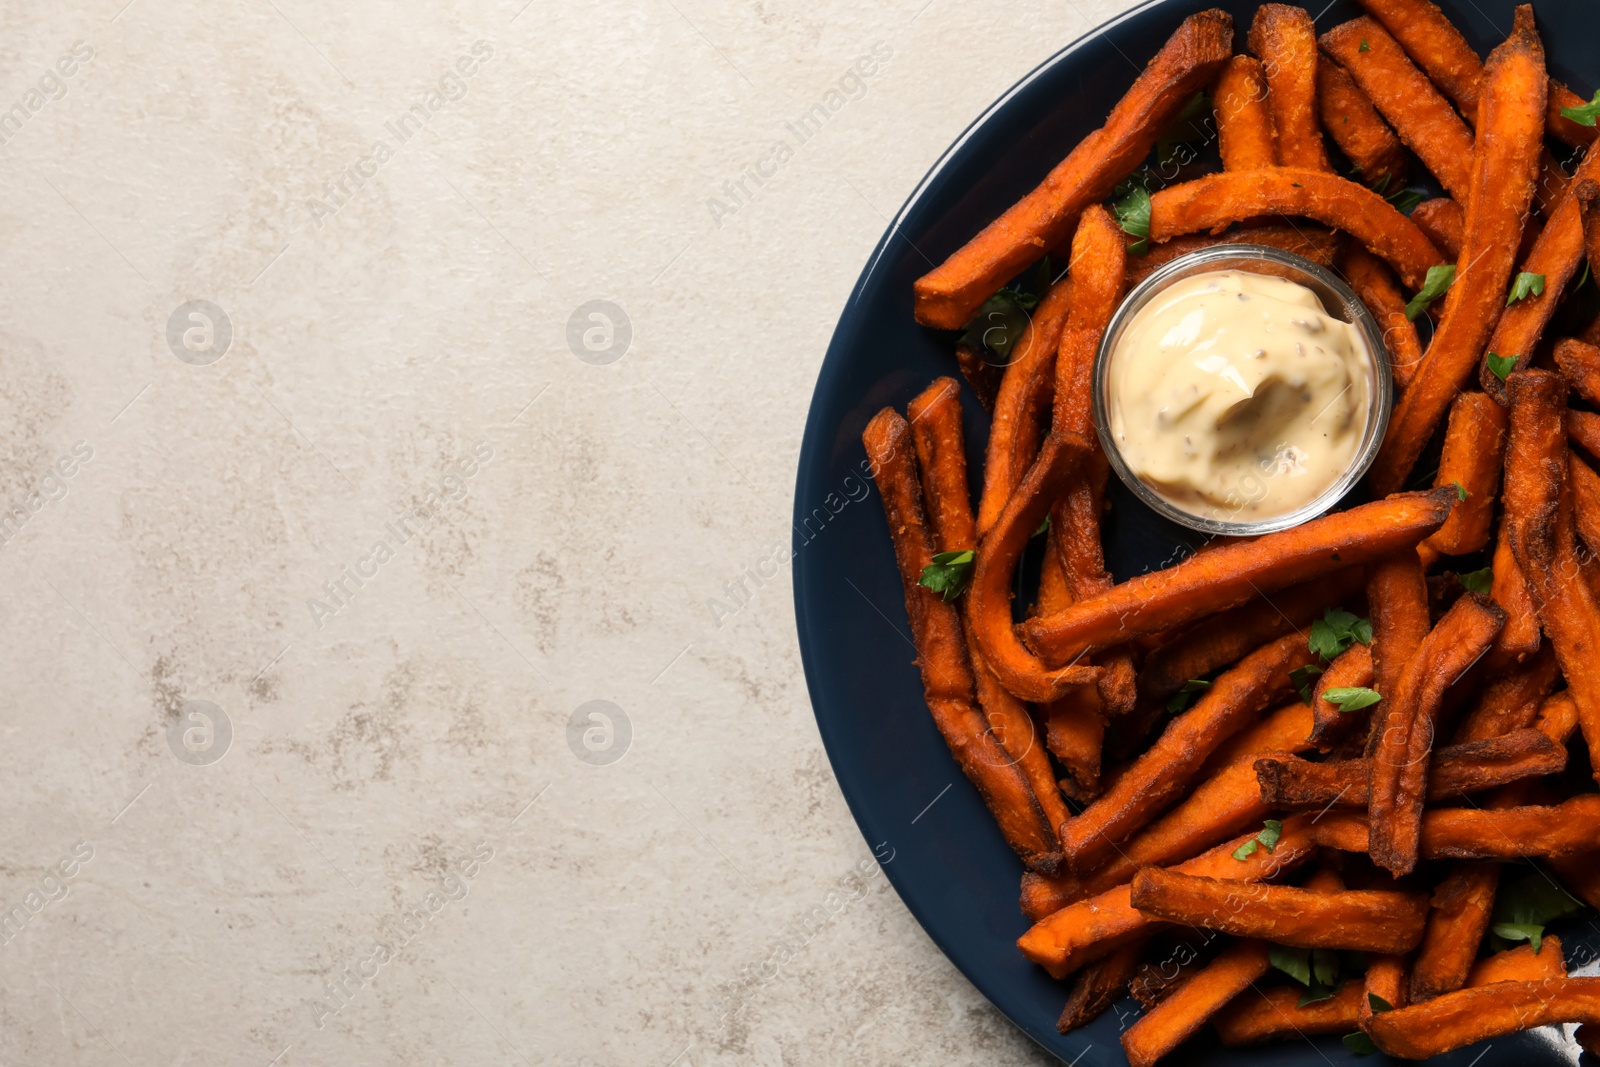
(913, 805)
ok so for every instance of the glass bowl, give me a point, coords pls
(1337, 298)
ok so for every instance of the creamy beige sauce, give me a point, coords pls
(1237, 396)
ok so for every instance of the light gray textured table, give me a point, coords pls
(297, 631)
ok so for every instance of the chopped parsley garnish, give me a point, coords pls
(1186, 694)
(1132, 209)
(1272, 829)
(1304, 678)
(1434, 286)
(1524, 908)
(1584, 114)
(1365, 47)
(1477, 581)
(948, 574)
(1461, 491)
(1000, 321)
(1500, 366)
(1527, 284)
(1351, 697)
(1405, 200)
(1336, 631)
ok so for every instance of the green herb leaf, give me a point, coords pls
(1132, 209)
(1584, 114)
(1336, 630)
(1461, 491)
(1304, 678)
(1406, 200)
(1351, 697)
(1365, 47)
(1530, 932)
(948, 574)
(1044, 527)
(1272, 829)
(1524, 908)
(1294, 962)
(1000, 321)
(1314, 992)
(1360, 1044)
(1500, 365)
(1526, 284)
(1583, 279)
(1433, 287)
(1186, 694)
(1378, 1003)
(1477, 581)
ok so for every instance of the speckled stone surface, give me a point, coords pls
(331, 503)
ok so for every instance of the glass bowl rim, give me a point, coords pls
(1380, 398)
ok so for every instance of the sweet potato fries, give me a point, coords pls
(1227, 776)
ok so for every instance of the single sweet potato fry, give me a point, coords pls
(1287, 729)
(989, 595)
(1287, 782)
(1099, 985)
(1445, 223)
(1171, 1022)
(1176, 959)
(1457, 920)
(1585, 487)
(1356, 127)
(1432, 40)
(1583, 430)
(1352, 668)
(1363, 920)
(1521, 636)
(1099, 264)
(1558, 719)
(1316, 243)
(1075, 733)
(1557, 255)
(1397, 603)
(947, 296)
(1285, 41)
(1164, 772)
(1475, 834)
(1403, 733)
(1423, 118)
(1374, 283)
(1468, 1016)
(981, 376)
(1022, 403)
(935, 420)
(941, 652)
(1385, 979)
(1244, 123)
(1233, 574)
(1224, 638)
(1474, 454)
(1510, 702)
(1587, 191)
(1580, 363)
(1542, 533)
(1265, 1015)
(1219, 199)
(1063, 941)
(1520, 964)
(1505, 166)
(1098, 268)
